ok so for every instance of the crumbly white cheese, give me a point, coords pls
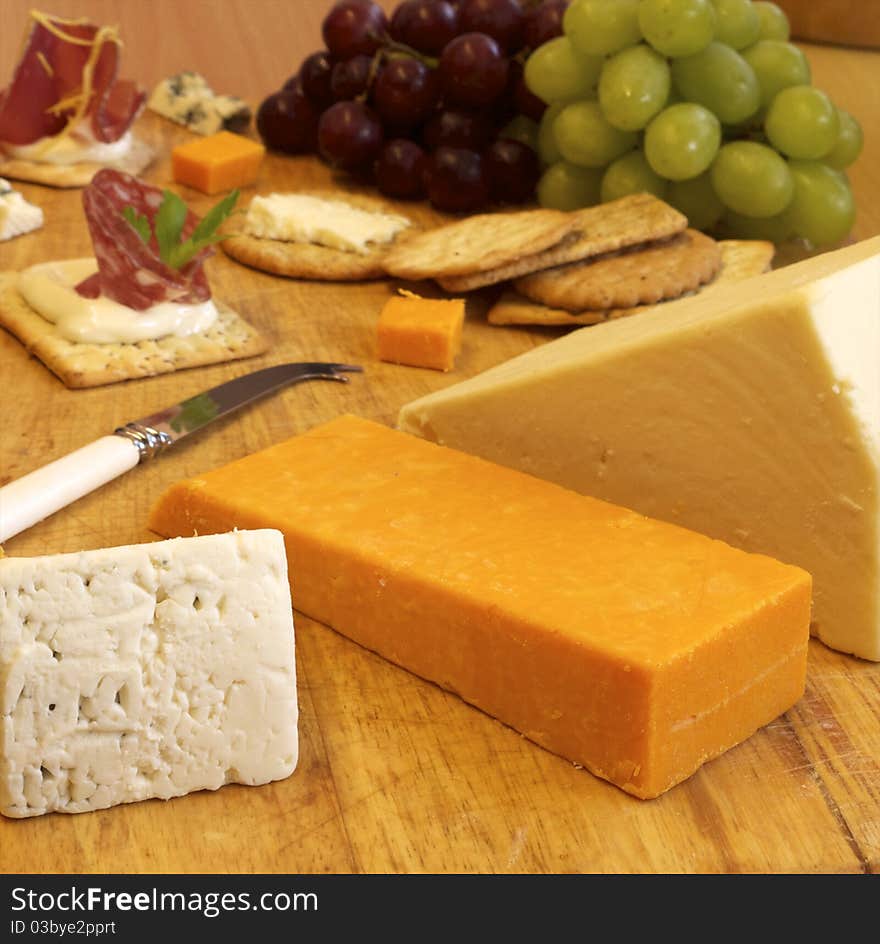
(187, 99)
(302, 218)
(145, 671)
(17, 216)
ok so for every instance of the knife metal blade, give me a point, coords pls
(39, 494)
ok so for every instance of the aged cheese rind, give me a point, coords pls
(752, 415)
(635, 648)
(145, 671)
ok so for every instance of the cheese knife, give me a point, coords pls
(39, 494)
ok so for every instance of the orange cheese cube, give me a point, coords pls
(217, 162)
(633, 647)
(421, 332)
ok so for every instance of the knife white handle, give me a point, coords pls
(39, 494)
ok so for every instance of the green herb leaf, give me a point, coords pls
(139, 223)
(169, 225)
(170, 220)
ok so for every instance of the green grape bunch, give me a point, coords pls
(704, 103)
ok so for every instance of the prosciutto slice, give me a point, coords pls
(64, 61)
(130, 271)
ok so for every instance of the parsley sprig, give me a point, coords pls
(170, 218)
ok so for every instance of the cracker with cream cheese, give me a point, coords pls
(136, 160)
(740, 259)
(80, 365)
(309, 260)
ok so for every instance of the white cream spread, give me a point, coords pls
(49, 289)
(78, 146)
(301, 218)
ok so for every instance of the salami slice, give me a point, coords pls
(130, 271)
(59, 80)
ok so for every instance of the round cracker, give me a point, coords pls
(643, 275)
(309, 260)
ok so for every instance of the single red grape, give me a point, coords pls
(456, 180)
(513, 170)
(314, 74)
(350, 77)
(425, 25)
(354, 26)
(287, 121)
(543, 23)
(349, 135)
(473, 72)
(526, 102)
(458, 129)
(400, 170)
(501, 19)
(405, 93)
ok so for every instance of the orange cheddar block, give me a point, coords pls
(420, 332)
(633, 647)
(217, 162)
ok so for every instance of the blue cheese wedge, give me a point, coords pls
(187, 99)
(336, 224)
(147, 671)
(17, 216)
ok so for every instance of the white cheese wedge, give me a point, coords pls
(17, 216)
(751, 414)
(302, 218)
(145, 671)
(187, 99)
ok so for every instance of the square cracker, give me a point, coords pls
(137, 160)
(309, 260)
(81, 365)
(740, 259)
(478, 243)
(607, 227)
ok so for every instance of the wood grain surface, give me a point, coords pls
(396, 775)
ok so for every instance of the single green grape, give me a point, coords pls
(631, 174)
(777, 65)
(849, 142)
(522, 129)
(584, 136)
(802, 123)
(775, 229)
(602, 27)
(739, 23)
(721, 80)
(752, 179)
(682, 141)
(774, 22)
(696, 198)
(555, 73)
(677, 28)
(822, 210)
(548, 152)
(633, 86)
(565, 186)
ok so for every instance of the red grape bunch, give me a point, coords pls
(429, 103)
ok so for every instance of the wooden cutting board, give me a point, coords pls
(396, 775)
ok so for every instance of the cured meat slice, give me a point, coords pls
(130, 271)
(67, 78)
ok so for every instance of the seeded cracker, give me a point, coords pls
(740, 259)
(93, 365)
(629, 221)
(478, 244)
(137, 160)
(309, 260)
